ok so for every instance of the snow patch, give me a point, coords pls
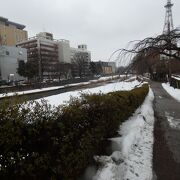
(133, 160)
(176, 77)
(175, 93)
(59, 87)
(31, 91)
(63, 98)
(174, 123)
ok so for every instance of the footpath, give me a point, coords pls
(166, 150)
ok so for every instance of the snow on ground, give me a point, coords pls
(131, 79)
(175, 93)
(176, 77)
(174, 123)
(58, 87)
(31, 91)
(76, 84)
(62, 98)
(110, 77)
(132, 158)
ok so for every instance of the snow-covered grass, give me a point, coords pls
(132, 158)
(62, 98)
(175, 93)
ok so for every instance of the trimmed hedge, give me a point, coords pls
(45, 143)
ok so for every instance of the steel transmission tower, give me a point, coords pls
(168, 25)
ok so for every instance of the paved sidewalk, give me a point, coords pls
(166, 150)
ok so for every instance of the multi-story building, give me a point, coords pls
(105, 68)
(64, 51)
(113, 66)
(80, 59)
(9, 62)
(11, 33)
(53, 56)
(49, 54)
(43, 51)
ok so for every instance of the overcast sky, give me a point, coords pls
(104, 25)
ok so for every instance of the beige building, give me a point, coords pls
(11, 33)
(107, 69)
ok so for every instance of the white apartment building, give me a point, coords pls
(9, 62)
(64, 51)
(62, 45)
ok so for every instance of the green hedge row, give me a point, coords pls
(45, 143)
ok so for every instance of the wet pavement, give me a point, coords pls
(166, 150)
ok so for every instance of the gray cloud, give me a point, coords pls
(104, 25)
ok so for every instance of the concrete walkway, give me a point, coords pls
(166, 150)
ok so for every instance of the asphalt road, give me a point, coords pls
(166, 150)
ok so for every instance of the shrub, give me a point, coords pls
(39, 142)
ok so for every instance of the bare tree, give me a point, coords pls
(80, 64)
(62, 70)
(146, 53)
(96, 68)
(164, 44)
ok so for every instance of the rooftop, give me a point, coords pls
(7, 23)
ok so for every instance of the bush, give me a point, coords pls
(46, 143)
